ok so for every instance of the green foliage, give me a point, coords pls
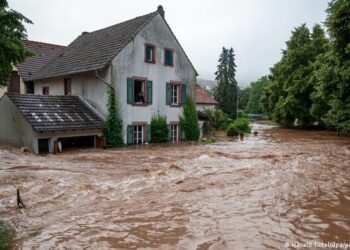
(6, 234)
(12, 31)
(227, 91)
(159, 129)
(189, 120)
(240, 125)
(255, 105)
(113, 126)
(287, 95)
(243, 98)
(232, 131)
(217, 120)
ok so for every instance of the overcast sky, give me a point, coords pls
(256, 29)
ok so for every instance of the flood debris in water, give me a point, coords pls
(278, 186)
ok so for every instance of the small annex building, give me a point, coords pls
(42, 122)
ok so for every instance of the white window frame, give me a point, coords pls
(174, 132)
(175, 94)
(138, 134)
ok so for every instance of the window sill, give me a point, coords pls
(150, 62)
(139, 104)
(169, 65)
(175, 105)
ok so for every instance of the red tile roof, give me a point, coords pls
(203, 96)
(45, 52)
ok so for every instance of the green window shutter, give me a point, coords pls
(148, 132)
(169, 132)
(183, 93)
(149, 92)
(168, 93)
(130, 91)
(148, 53)
(168, 57)
(129, 134)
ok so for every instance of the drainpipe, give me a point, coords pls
(102, 80)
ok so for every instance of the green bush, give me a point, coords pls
(159, 129)
(6, 234)
(216, 120)
(113, 126)
(189, 120)
(240, 125)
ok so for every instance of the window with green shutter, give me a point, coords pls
(150, 53)
(168, 93)
(139, 91)
(129, 138)
(168, 57)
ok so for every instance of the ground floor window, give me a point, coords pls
(138, 134)
(174, 132)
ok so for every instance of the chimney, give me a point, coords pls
(84, 33)
(161, 11)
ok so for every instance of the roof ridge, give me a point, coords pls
(50, 44)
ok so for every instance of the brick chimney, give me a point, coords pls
(161, 11)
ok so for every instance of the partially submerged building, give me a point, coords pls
(141, 59)
(42, 122)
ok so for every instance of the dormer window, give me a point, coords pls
(168, 57)
(150, 53)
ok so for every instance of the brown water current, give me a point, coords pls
(281, 186)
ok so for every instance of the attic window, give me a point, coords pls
(46, 90)
(168, 57)
(150, 53)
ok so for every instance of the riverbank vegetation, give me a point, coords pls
(310, 85)
(6, 233)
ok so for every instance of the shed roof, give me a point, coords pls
(203, 96)
(45, 52)
(56, 113)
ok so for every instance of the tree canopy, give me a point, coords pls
(227, 91)
(12, 31)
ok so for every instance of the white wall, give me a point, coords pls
(130, 62)
(13, 126)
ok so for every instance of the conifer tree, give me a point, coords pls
(227, 91)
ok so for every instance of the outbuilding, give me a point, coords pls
(46, 123)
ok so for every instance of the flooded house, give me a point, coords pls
(140, 58)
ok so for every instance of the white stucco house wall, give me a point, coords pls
(141, 59)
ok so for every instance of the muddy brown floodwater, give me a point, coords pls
(279, 186)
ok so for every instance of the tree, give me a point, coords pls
(113, 126)
(287, 98)
(254, 105)
(227, 91)
(12, 31)
(189, 120)
(243, 98)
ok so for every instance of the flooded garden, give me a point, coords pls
(272, 190)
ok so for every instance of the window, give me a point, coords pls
(68, 86)
(175, 94)
(168, 57)
(138, 134)
(29, 87)
(139, 91)
(174, 132)
(150, 53)
(46, 91)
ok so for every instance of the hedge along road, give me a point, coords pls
(278, 188)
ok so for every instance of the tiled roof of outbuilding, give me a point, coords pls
(45, 52)
(203, 96)
(56, 113)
